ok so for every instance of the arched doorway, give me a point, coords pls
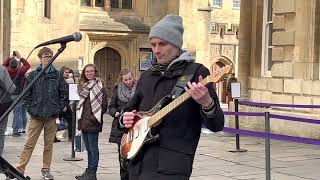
(108, 62)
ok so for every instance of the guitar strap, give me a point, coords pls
(182, 81)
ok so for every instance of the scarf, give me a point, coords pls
(124, 93)
(93, 90)
(172, 65)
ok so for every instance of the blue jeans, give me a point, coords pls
(91, 143)
(17, 117)
(23, 124)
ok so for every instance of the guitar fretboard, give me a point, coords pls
(217, 76)
(171, 106)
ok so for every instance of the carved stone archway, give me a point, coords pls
(221, 87)
(221, 61)
(96, 46)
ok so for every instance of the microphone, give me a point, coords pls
(73, 37)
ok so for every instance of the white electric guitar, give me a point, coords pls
(140, 132)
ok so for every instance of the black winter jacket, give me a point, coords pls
(116, 105)
(88, 122)
(180, 130)
(48, 95)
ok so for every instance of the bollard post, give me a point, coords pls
(236, 117)
(267, 146)
(73, 154)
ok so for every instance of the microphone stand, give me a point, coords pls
(16, 101)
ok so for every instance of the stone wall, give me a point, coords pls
(5, 11)
(295, 67)
(203, 24)
(1, 31)
(30, 27)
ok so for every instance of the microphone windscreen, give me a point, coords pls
(77, 36)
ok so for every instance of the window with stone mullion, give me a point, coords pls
(92, 3)
(126, 4)
(121, 4)
(114, 3)
(99, 3)
(117, 4)
(217, 3)
(236, 4)
(86, 3)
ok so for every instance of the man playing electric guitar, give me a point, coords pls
(170, 157)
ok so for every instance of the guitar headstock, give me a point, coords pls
(218, 75)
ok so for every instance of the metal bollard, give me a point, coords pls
(267, 146)
(73, 155)
(236, 109)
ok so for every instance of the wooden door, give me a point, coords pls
(108, 62)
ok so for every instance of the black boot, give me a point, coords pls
(91, 175)
(83, 174)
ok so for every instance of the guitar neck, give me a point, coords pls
(215, 77)
(153, 121)
(167, 109)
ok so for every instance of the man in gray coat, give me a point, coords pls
(6, 88)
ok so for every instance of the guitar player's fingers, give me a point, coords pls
(200, 78)
(128, 118)
(191, 89)
(198, 92)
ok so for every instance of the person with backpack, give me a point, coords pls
(47, 98)
(6, 88)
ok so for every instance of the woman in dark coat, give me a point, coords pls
(92, 105)
(122, 93)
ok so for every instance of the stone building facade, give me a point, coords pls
(275, 54)
(279, 46)
(115, 32)
(211, 33)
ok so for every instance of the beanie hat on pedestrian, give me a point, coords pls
(13, 63)
(169, 29)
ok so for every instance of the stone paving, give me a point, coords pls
(213, 161)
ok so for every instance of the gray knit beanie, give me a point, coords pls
(169, 29)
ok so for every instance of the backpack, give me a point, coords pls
(5, 98)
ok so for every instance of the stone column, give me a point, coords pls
(244, 46)
(1, 31)
(202, 41)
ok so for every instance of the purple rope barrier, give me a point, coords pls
(244, 113)
(290, 118)
(273, 136)
(276, 116)
(267, 105)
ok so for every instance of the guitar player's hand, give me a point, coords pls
(128, 118)
(199, 93)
